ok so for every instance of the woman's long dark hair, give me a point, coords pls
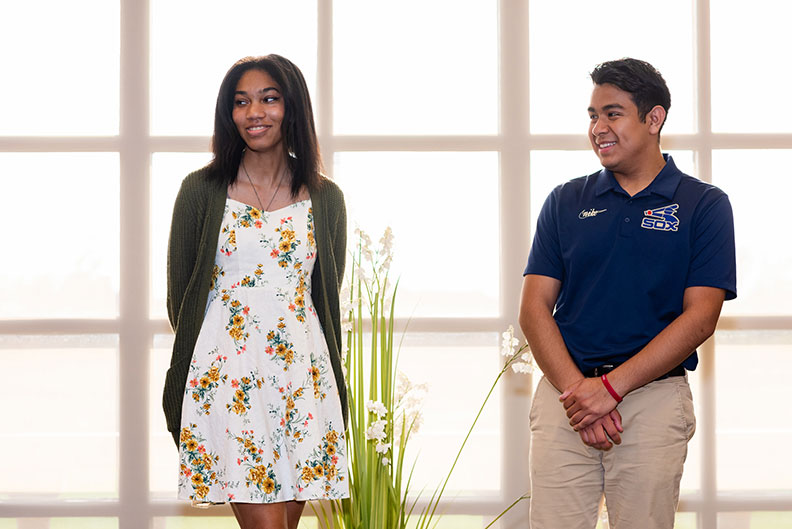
(298, 128)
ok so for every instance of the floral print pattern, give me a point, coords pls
(261, 410)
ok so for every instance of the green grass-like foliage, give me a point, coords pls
(381, 420)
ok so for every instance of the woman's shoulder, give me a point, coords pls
(328, 190)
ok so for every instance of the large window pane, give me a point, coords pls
(61, 59)
(395, 71)
(752, 396)
(758, 185)
(444, 362)
(443, 209)
(567, 39)
(60, 416)
(167, 172)
(163, 455)
(748, 67)
(60, 244)
(58, 523)
(195, 42)
(754, 520)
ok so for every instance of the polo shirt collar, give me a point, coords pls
(664, 184)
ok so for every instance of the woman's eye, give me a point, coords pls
(239, 102)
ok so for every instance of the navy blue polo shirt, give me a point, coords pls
(624, 262)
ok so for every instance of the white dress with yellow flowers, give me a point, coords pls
(261, 419)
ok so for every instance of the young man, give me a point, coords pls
(626, 277)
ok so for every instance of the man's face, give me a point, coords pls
(618, 136)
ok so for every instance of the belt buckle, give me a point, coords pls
(603, 369)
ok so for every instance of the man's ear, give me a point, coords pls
(655, 118)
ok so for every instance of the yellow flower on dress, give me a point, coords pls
(201, 491)
(244, 223)
(256, 214)
(237, 320)
(239, 394)
(268, 486)
(315, 373)
(207, 461)
(331, 472)
(284, 246)
(332, 437)
(289, 356)
(245, 380)
(331, 450)
(214, 373)
(204, 382)
(185, 435)
(318, 470)
(289, 403)
(238, 407)
(225, 297)
(287, 235)
(236, 333)
(299, 301)
(307, 474)
(197, 478)
(245, 281)
(192, 444)
(236, 303)
(283, 264)
(257, 474)
(271, 335)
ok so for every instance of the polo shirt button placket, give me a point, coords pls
(625, 230)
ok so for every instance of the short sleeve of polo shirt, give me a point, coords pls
(713, 259)
(545, 257)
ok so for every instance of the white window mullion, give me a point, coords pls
(135, 342)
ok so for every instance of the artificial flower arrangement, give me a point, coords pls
(384, 405)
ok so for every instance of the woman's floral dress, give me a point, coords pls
(261, 420)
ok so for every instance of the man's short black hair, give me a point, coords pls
(642, 80)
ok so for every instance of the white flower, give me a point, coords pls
(360, 274)
(382, 448)
(375, 406)
(346, 326)
(346, 300)
(509, 343)
(376, 431)
(383, 269)
(522, 367)
(386, 242)
(385, 461)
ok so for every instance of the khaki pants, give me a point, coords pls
(640, 478)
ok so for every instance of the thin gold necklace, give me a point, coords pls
(254, 187)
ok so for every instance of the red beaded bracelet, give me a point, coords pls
(610, 389)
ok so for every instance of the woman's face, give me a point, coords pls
(258, 111)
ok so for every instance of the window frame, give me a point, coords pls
(514, 143)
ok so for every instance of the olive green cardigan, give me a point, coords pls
(192, 245)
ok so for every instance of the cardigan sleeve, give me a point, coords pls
(183, 244)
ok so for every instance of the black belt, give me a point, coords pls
(678, 371)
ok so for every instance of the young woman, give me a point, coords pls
(255, 396)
